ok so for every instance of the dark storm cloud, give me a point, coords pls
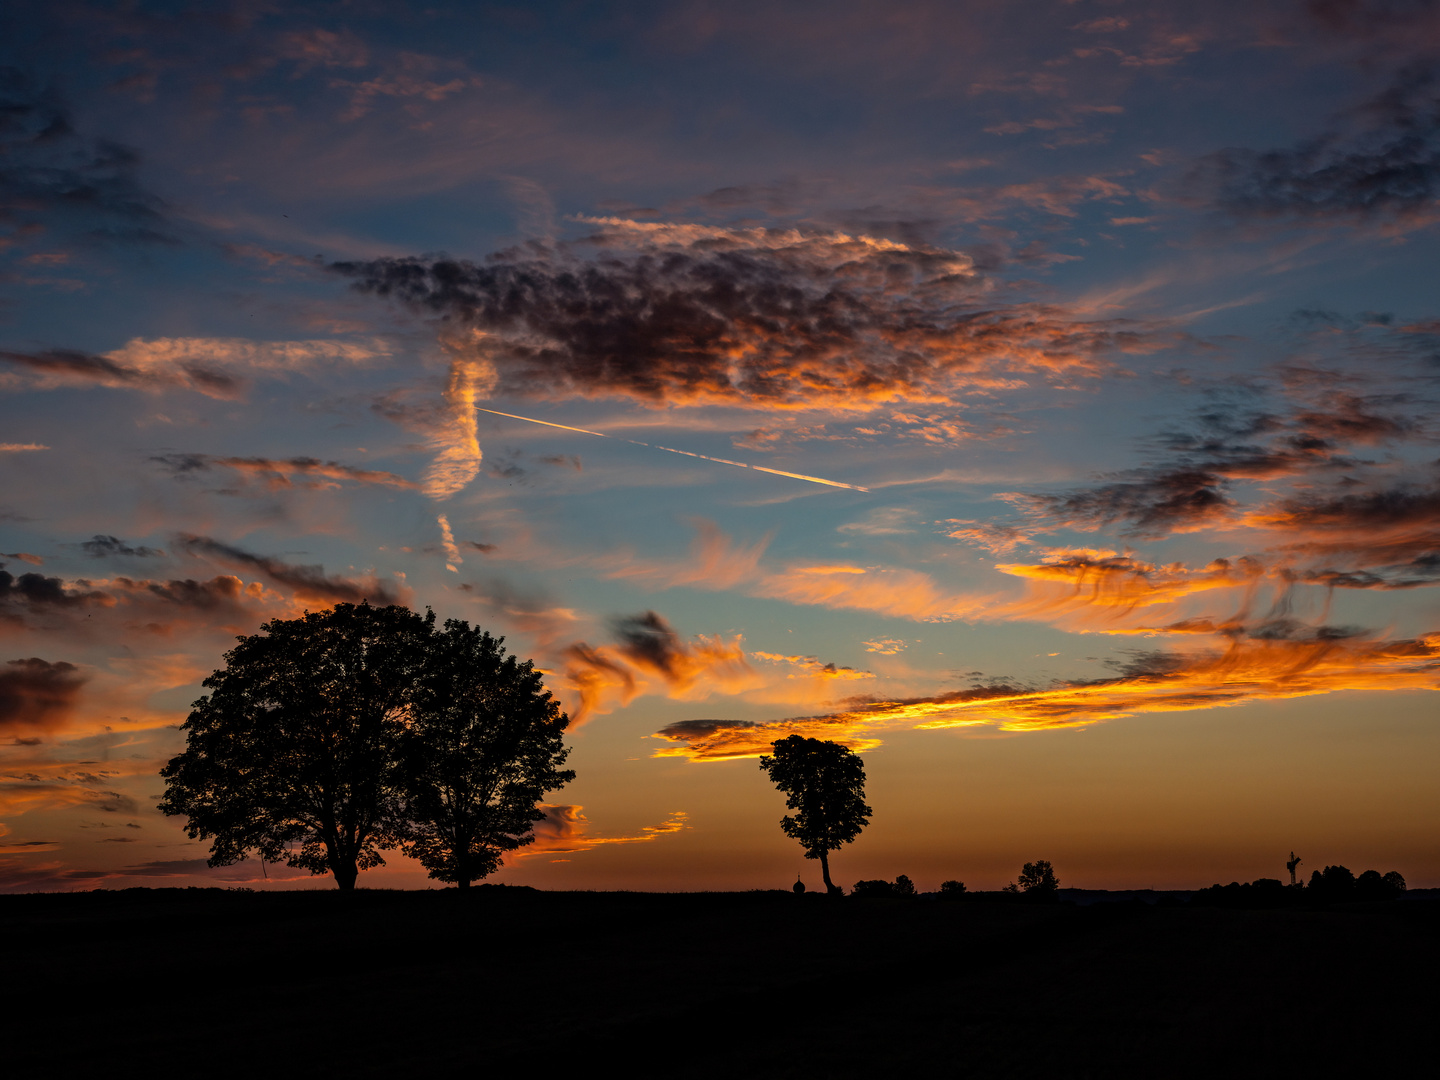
(101, 547)
(306, 582)
(777, 318)
(1383, 164)
(35, 693)
(51, 175)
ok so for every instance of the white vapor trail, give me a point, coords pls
(687, 453)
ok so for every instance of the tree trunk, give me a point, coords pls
(825, 872)
(462, 882)
(345, 876)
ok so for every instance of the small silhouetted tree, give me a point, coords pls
(1395, 881)
(904, 886)
(1036, 877)
(292, 753)
(481, 747)
(952, 890)
(825, 783)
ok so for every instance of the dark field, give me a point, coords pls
(509, 982)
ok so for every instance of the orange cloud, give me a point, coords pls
(565, 831)
(1251, 669)
(650, 650)
(715, 562)
(885, 590)
(1104, 585)
(37, 694)
(692, 315)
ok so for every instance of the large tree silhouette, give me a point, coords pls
(292, 755)
(825, 783)
(483, 744)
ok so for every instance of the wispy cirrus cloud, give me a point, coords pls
(275, 474)
(1379, 163)
(305, 582)
(54, 180)
(215, 367)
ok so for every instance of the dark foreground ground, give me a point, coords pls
(516, 983)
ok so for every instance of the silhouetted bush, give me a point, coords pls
(1372, 886)
(1261, 893)
(1037, 881)
(876, 887)
(901, 886)
(952, 890)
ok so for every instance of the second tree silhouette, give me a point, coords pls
(825, 783)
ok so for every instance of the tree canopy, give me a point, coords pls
(332, 737)
(1038, 879)
(482, 746)
(825, 783)
(292, 753)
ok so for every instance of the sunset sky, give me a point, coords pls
(1038, 398)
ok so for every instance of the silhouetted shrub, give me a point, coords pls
(1372, 886)
(1262, 893)
(1037, 880)
(873, 888)
(952, 890)
(1331, 885)
(904, 886)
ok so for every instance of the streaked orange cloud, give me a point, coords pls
(279, 473)
(306, 582)
(1251, 669)
(1105, 585)
(565, 831)
(214, 367)
(20, 797)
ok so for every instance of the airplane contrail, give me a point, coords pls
(687, 453)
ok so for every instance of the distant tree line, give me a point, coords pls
(1333, 885)
(328, 739)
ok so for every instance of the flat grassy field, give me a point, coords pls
(510, 982)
